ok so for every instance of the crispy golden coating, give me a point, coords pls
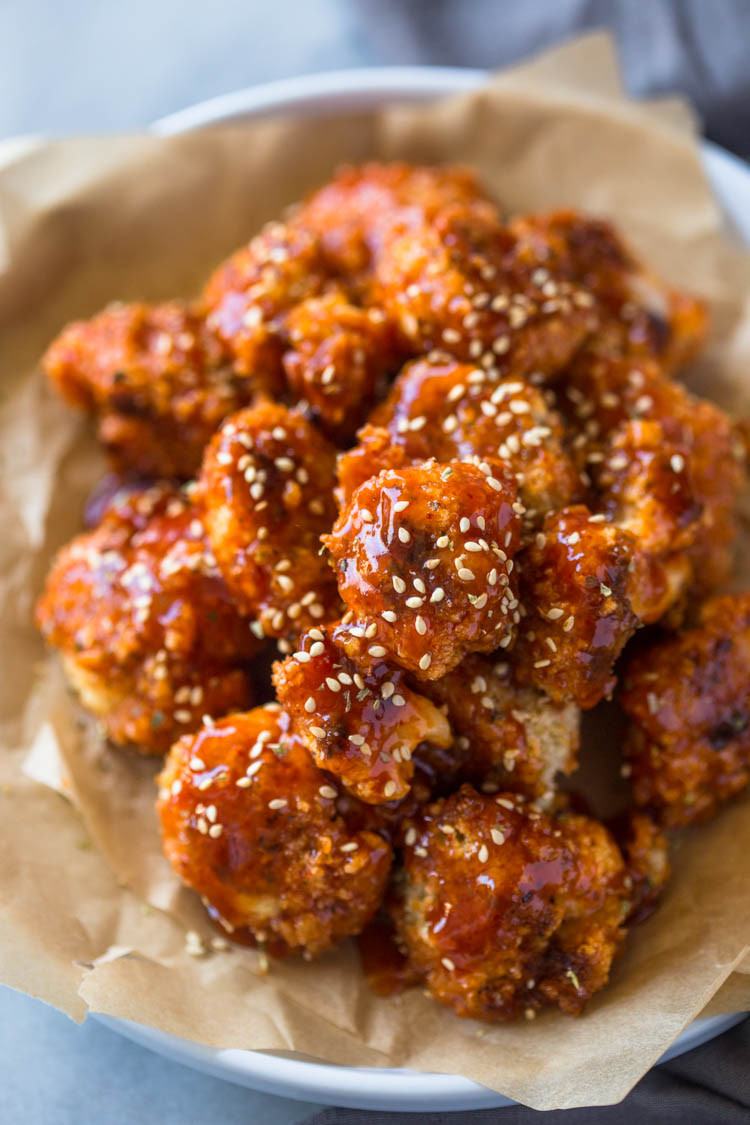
(506, 910)
(355, 712)
(338, 360)
(425, 554)
(665, 465)
(639, 315)
(157, 379)
(452, 410)
(374, 451)
(251, 824)
(354, 213)
(247, 297)
(460, 285)
(148, 633)
(579, 580)
(510, 737)
(646, 851)
(688, 698)
(266, 491)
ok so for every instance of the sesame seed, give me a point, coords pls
(253, 768)
(424, 664)
(243, 782)
(366, 515)
(465, 574)
(328, 791)
(356, 739)
(677, 462)
(542, 663)
(317, 648)
(420, 586)
(483, 855)
(387, 689)
(302, 656)
(398, 584)
(389, 616)
(414, 603)
(398, 700)
(389, 788)
(317, 732)
(277, 803)
(570, 622)
(555, 613)
(606, 591)
(404, 535)
(447, 964)
(309, 704)
(494, 484)
(197, 764)
(410, 836)
(464, 524)
(470, 545)
(371, 630)
(437, 595)
(350, 847)
(376, 650)
(495, 833)
(442, 541)
(332, 685)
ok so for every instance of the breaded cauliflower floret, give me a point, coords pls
(355, 712)
(147, 631)
(158, 381)
(248, 296)
(688, 699)
(460, 285)
(451, 410)
(251, 824)
(505, 910)
(337, 361)
(580, 583)
(354, 213)
(639, 315)
(509, 737)
(665, 465)
(266, 490)
(425, 555)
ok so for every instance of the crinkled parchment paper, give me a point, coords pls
(90, 915)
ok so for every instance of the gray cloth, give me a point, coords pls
(707, 1086)
(698, 48)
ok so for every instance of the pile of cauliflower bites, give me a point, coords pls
(438, 464)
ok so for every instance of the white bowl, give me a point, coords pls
(370, 1087)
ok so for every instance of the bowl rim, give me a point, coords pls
(357, 89)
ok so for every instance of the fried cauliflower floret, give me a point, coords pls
(510, 737)
(337, 361)
(251, 824)
(425, 555)
(665, 465)
(455, 410)
(156, 379)
(247, 297)
(505, 910)
(374, 451)
(688, 699)
(640, 316)
(580, 583)
(355, 713)
(266, 491)
(147, 631)
(353, 214)
(646, 851)
(459, 285)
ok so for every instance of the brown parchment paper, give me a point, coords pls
(90, 916)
